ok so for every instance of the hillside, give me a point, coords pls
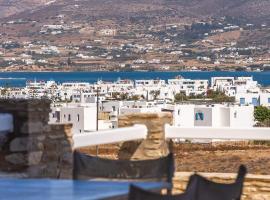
(11, 7)
(134, 34)
(152, 11)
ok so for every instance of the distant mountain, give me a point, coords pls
(152, 11)
(11, 7)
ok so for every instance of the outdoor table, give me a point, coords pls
(49, 189)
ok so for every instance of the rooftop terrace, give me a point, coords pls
(38, 150)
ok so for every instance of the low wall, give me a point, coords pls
(155, 145)
(36, 148)
(256, 187)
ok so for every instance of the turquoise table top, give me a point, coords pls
(48, 189)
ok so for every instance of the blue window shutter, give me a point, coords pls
(196, 117)
(254, 101)
(199, 116)
(242, 101)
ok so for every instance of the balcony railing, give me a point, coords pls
(138, 132)
(110, 136)
(223, 133)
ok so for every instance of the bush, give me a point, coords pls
(218, 96)
(262, 114)
(180, 97)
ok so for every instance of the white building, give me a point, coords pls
(254, 99)
(82, 117)
(75, 85)
(232, 86)
(217, 115)
(188, 86)
(116, 108)
(107, 32)
(126, 110)
(144, 83)
(265, 99)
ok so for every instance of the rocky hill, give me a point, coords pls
(152, 11)
(11, 7)
(112, 34)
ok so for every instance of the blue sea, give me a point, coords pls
(19, 79)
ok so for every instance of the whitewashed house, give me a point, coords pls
(82, 117)
(232, 86)
(255, 99)
(217, 115)
(188, 86)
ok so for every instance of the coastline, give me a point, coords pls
(18, 78)
(143, 71)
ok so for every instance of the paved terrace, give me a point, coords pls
(39, 150)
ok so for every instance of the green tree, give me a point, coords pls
(180, 97)
(123, 96)
(218, 96)
(115, 95)
(262, 114)
(3, 92)
(135, 97)
(155, 93)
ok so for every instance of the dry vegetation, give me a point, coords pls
(209, 158)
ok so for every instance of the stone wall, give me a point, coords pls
(35, 147)
(256, 187)
(154, 146)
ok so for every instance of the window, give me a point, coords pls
(64, 116)
(69, 117)
(235, 114)
(255, 101)
(78, 117)
(113, 108)
(199, 116)
(268, 100)
(179, 112)
(242, 101)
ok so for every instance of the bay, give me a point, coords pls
(18, 79)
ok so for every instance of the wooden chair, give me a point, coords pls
(205, 189)
(91, 167)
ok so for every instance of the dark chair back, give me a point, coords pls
(136, 193)
(87, 167)
(205, 189)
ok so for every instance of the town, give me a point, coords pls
(222, 102)
(215, 44)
